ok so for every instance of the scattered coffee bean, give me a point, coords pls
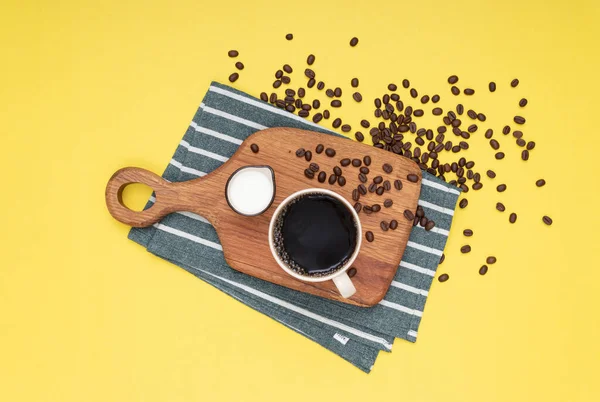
(523, 102)
(379, 190)
(320, 85)
(499, 155)
(357, 207)
(233, 77)
(463, 203)
(392, 87)
(398, 184)
(483, 270)
(372, 187)
(547, 220)
(355, 195)
(337, 123)
(300, 152)
(254, 148)
(308, 156)
(413, 93)
(408, 214)
(453, 79)
(322, 176)
(367, 210)
(514, 83)
(314, 167)
(287, 68)
(525, 155)
(530, 145)
(388, 203)
(492, 86)
(517, 134)
(413, 178)
(377, 179)
(472, 114)
(319, 149)
(455, 90)
(233, 53)
(501, 188)
(354, 82)
(239, 65)
(442, 258)
(405, 83)
(286, 79)
(332, 179)
(491, 174)
(353, 41)
(352, 272)
(393, 224)
(356, 162)
(309, 173)
(512, 218)
(443, 277)
(310, 59)
(362, 189)
(336, 103)
(424, 99)
(472, 128)
(330, 152)
(376, 207)
(387, 168)
(346, 128)
(540, 182)
(384, 226)
(387, 186)
(500, 207)
(362, 177)
(364, 170)
(520, 142)
(317, 117)
(276, 83)
(491, 260)
(494, 144)
(477, 186)
(435, 98)
(429, 225)
(369, 236)
(468, 232)
(423, 221)
(337, 171)
(359, 136)
(465, 249)
(289, 36)
(469, 91)
(481, 117)
(519, 119)
(345, 162)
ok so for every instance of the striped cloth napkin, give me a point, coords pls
(224, 119)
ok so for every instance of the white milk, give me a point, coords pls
(250, 190)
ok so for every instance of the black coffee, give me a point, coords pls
(315, 234)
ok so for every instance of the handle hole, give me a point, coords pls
(135, 196)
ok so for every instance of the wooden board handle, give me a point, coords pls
(168, 197)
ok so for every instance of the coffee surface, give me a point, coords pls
(319, 233)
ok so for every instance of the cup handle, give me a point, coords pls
(344, 285)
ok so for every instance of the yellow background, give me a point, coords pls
(88, 87)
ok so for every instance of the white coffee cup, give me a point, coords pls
(340, 277)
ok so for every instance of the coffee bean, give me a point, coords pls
(443, 277)
(499, 155)
(413, 93)
(456, 123)
(514, 83)
(525, 155)
(481, 117)
(477, 186)
(353, 41)
(322, 176)
(442, 258)
(395, 97)
(377, 179)
(273, 97)
(397, 184)
(437, 111)
(233, 77)
(387, 168)
(491, 260)
(355, 195)
(364, 170)
(254, 148)
(289, 36)
(492, 86)
(453, 79)
(337, 92)
(278, 74)
(372, 187)
(517, 134)
(308, 156)
(309, 73)
(367, 210)
(423, 221)
(276, 83)
(530, 145)
(286, 79)
(369, 236)
(463, 203)
(376, 207)
(300, 152)
(455, 90)
(264, 97)
(320, 85)
(523, 102)
(317, 117)
(345, 162)
(387, 185)
(346, 128)
(352, 272)
(468, 232)
(280, 103)
(388, 203)
(483, 270)
(501, 188)
(512, 218)
(303, 113)
(310, 59)
(309, 173)
(337, 123)
(287, 68)
(520, 142)
(314, 167)
(540, 182)
(290, 108)
(418, 113)
(362, 189)
(494, 144)
(357, 96)
(393, 224)
(435, 98)
(336, 103)
(362, 178)
(519, 119)
(465, 249)
(379, 190)
(356, 162)
(491, 174)
(469, 91)
(408, 214)
(337, 171)
(354, 82)
(547, 220)
(367, 160)
(332, 179)
(330, 152)
(500, 207)
(472, 128)
(384, 226)
(233, 53)
(359, 136)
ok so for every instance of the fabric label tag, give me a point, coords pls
(341, 338)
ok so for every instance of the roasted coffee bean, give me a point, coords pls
(364, 170)
(468, 232)
(384, 226)
(322, 176)
(514, 83)
(379, 190)
(492, 86)
(352, 272)
(494, 144)
(233, 53)
(395, 97)
(354, 82)
(369, 236)
(276, 83)
(525, 155)
(310, 59)
(287, 68)
(320, 85)
(280, 103)
(517, 134)
(387, 168)
(413, 93)
(330, 152)
(437, 111)
(519, 119)
(407, 112)
(336, 123)
(264, 97)
(332, 179)
(547, 220)
(337, 92)
(341, 181)
(540, 182)
(481, 117)
(393, 224)
(233, 77)
(308, 156)
(491, 174)
(520, 142)
(469, 164)
(367, 209)
(317, 117)
(469, 91)
(367, 160)
(388, 203)
(500, 207)
(405, 83)
(512, 218)
(289, 36)
(353, 41)
(377, 179)
(413, 178)
(376, 207)
(345, 162)
(273, 97)
(491, 260)
(290, 92)
(254, 148)
(311, 83)
(477, 186)
(355, 195)
(299, 105)
(435, 98)
(392, 87)
(362, 177)
(483, 270)
(359, 136)
(300, 152)
(278, 74)
(309, 173)
(465, 249)
(356, 162)
(319, 149)
(372, 187)
(387, 185)
(398, 184)
(303, 113)
(346, 128)
(453, 79)
(286, 80)
(456, 123)
(408, 214)
(463, 145)
(443, 277)
(357, 96)
(530, 145)
(362, 189)
(423, 221)
(429, 225)
(309, 73)
(365, 123)
(337, 171)
(418, 113)
(472, 114)
(463, 203)
(336, 103)
(501, 188)
(424, 99)
(472, 128)
(455, 90)
(314, 167)
(441, 129)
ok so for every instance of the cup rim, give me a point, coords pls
(352, 258)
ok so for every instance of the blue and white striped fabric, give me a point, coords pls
(225, 118)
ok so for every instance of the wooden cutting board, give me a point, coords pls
(245, 239)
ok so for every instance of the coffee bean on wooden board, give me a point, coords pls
(369, 236)
(408, 214)
(387, 185)
(319, 149)
(376, 207)
(483, 270)
(384, 226)
(367, 210)
(379, 190)
(453, 79)
(337, 171)
(388, 203)
(300, 152)
(372, 187)
(357, 207)
(322, 176)
(465, 249)
(352, 272)
(547, 220)
(463, 203)
(413, 178)
(309, 173)
(387, 168)
(332, 179)
(364, 170)
(500, 207)
(512, 218)
(398, 184)
(443, 277)
(355, 195)
(362, 177)
(330, 152)
(540, 182)
(254, 148)
(393, 224)
(362, 189)
(377, 179)
(308, 156)
(314, 167)
(356, 162)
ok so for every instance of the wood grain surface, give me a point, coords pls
(245, 239)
